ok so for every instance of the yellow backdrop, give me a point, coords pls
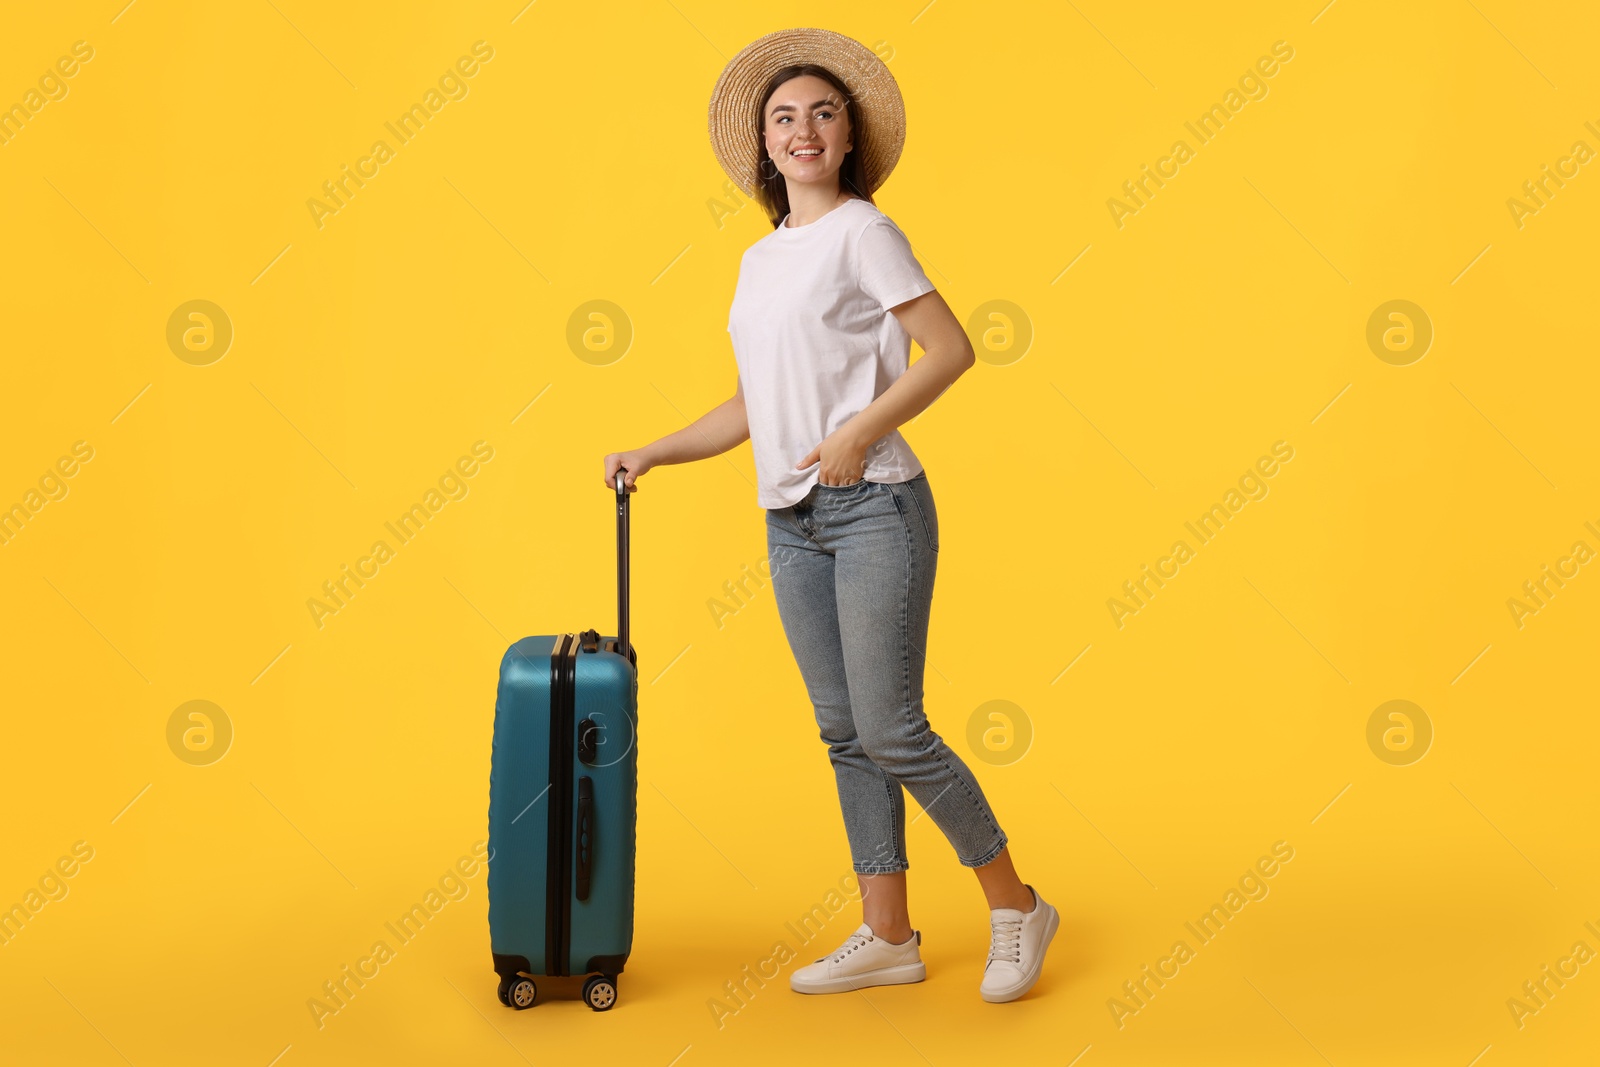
(1265, 609)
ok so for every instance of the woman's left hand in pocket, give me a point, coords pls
(843, 459)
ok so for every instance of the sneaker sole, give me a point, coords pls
(1038, 965)
(898, 975)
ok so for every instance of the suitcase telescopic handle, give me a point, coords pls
(623, 645)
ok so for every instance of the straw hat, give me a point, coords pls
(736, 101)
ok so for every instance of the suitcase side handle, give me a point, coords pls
(585, 836)
(624, 646)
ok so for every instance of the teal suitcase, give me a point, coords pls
(563, 806)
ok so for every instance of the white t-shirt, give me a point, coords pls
(815, 342)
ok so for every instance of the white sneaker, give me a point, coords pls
(863, 960)
(1017, 944)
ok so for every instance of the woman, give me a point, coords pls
(810, 123)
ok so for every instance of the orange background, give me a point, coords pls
(1129, 378)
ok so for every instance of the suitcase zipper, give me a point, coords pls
(558, 929)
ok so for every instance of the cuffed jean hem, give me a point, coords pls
(988, 857)
(881, 868)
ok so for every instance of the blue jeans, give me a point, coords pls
(853, 570)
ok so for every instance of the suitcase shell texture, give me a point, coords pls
(563, 790)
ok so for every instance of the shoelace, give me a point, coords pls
(1005, 940)
(851, 943)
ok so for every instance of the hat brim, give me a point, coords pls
(734, 113)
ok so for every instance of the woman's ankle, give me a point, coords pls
(892, 934)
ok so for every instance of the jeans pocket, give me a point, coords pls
(922, 498)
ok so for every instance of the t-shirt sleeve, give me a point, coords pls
(889, 273)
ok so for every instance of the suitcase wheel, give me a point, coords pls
(517, 992)
(600, 992)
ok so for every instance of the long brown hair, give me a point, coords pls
(772, 189)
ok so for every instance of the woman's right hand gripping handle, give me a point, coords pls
(723, 427)
(632, 464)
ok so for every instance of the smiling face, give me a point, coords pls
(807, 130)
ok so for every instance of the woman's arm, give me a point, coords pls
(946, 355)
(723, 427)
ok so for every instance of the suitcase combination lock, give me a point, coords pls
(588, 741)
